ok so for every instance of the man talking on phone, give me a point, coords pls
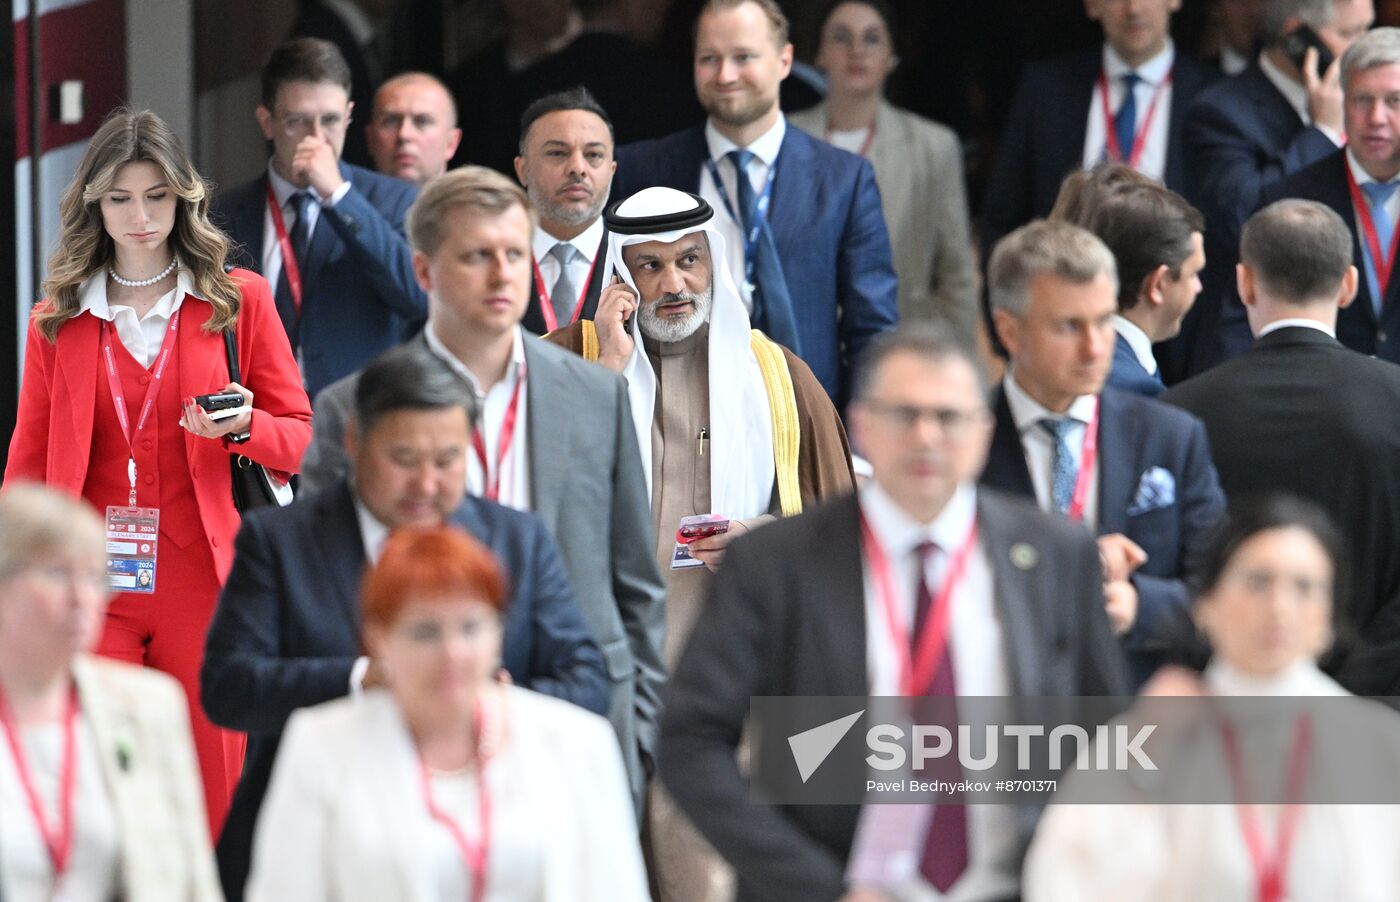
(733, 428)
(1248, 133)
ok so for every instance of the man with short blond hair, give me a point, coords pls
(802, 221)
(555, 434)
(412, 131)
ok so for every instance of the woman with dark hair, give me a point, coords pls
(448, 783)
(1256, 733)
(918, 163)
(138, 304)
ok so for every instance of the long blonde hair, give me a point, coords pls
(84, 247)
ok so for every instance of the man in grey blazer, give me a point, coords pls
(555, 436)
(792, 613)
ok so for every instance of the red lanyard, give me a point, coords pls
(1270, 869)
(916, 674)
(491, 481)
(289, 257)
(551, 322)
(152, 390)
(865, 146)
(1382, 264)
(474, 854)
(1087, 457)
(59, 843)
(1115, 153)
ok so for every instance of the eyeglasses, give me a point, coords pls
(953, 423)
(294, 124)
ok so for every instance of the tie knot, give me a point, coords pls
(1131, 79)
(564, 252)
(1059, 427)
(925, 551)
(1379, 192)
(740, 159)
(300, 201)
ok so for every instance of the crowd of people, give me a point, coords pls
(568, 458)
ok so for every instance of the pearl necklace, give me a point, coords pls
(142, 283)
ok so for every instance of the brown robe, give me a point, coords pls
(682, 865)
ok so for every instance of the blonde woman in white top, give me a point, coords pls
(99, 792)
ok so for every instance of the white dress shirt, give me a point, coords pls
(141, 337)
(1153, 84)
(765, 150)
(283, 191)
(979, 661)
(1296, 95)
(1039, 444)
(1302, 322)
(1137, 340)
(514, 468)
(1232, 62)
(587, 243)
(94, 866)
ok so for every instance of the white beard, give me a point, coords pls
(670, 329)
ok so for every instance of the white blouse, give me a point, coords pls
(26, 872)
(141, 336)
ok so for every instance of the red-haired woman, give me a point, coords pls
(448, 784)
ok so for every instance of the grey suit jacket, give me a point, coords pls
(919, 170)
(587, 485)
(786, 617)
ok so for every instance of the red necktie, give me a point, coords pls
(945, 847)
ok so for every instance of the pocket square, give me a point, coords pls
(1156, 489)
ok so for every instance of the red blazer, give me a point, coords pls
(53, 434)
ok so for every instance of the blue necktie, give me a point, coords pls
(300, 237)
(772, 305)
(1377, 194)
(1125, 120)
(1063, 469)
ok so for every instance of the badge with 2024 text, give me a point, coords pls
(132, 533)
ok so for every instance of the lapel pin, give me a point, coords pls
(1024, 556)
(123, 756)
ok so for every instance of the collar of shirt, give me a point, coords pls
(361, 28)
(1137, 340)
(1232, 62)
(1299, 322)
(373, 534)
(1292, 91)
(517, 358)
(1027, 411)
(900, 534)
(765, 146)
(1362, 176)
(586, 242)
(92, 297)
(1153, 72)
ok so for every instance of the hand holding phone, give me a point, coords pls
(1322, 77)
(613, 322)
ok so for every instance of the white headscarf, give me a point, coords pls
(741, 430)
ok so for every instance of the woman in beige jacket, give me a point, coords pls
(918, 164)
(99, 793)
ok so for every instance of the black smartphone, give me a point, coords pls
(224, 400)
(1296, 44)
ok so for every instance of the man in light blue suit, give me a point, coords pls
(349, 292)
(1134, 471)
(811, 252)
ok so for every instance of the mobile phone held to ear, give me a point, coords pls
(1296, 44)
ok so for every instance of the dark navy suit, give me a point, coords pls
(1129, 374)
(1137, 437)
(830, 233)
(1358, 327)
(1044, 136)
(287, 631)
(1242, 136)
(359, 294)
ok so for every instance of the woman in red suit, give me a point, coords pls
(138, 301)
